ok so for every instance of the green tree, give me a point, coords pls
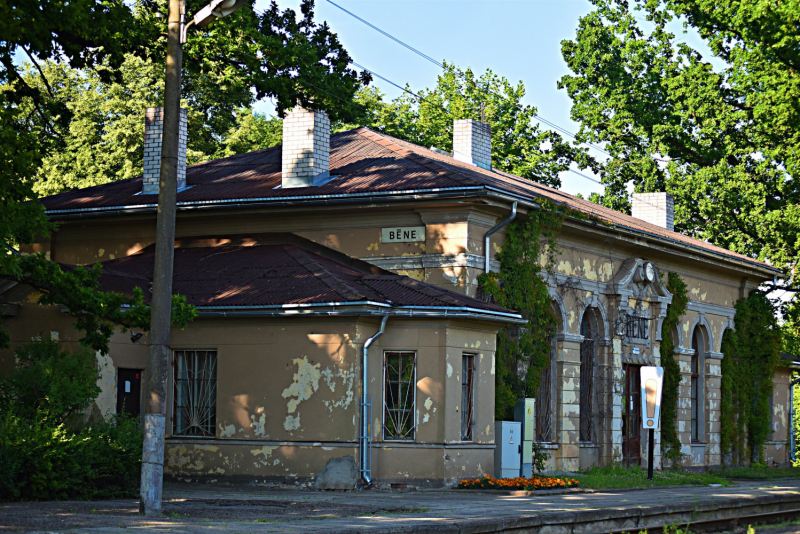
(49, 384)
(724, 141)
(247, 55)
(519, 146)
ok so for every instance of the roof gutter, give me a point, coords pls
(352, 198)
(510, 197)
(366, 308)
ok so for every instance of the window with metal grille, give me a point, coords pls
(399, 395)
(467, 392)
(588, 357)
(637, 327)
(195, 397)
(695, 388)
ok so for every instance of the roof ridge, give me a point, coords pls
(425, 161)
(322, 274)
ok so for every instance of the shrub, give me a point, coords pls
(49, 384)
(39, 461)
(46, 450)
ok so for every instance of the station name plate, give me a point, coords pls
(403, 234)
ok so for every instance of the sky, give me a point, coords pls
(518, 39)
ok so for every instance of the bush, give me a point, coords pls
(39, 461)
(49, 384)
(47, 452)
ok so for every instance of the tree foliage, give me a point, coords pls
(519, 146)
(523, 351)
(49, 384)
(751, 355)
(670, 440)
(86, 46)
(723, 140)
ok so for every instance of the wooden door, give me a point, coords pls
(631, 415)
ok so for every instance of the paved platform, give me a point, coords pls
(195, 508)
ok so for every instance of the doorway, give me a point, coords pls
(631, 415)
(129, 386)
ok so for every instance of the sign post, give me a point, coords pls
(652, 378)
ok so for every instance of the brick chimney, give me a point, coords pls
(472, 143)
(306, 148)
(655, 208)
(153, 125)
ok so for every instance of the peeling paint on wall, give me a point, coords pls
(306, 383)
(348, 377)
(265, 452)
(106, 401)
(258, 424)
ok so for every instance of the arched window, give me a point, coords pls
(545, 395)
(696, 384)
(589, 331)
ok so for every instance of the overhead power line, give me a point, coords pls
(441, 65)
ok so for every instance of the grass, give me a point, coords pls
(617, 476)
(760, 473)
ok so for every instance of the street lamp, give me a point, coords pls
(161, 303)
(213, 11)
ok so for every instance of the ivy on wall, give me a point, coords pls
(523, 351)
(751, 355)
(670, 440)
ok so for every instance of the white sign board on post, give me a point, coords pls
(652, 380)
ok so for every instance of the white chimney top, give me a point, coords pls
(153, 126)
(655, 208)
(306, 148)
(472, 143)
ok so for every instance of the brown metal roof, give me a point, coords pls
(364, 163)
(279, 270)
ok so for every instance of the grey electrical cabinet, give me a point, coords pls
(524, 413)
(508, 448)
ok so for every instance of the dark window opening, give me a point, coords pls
(399, 395)
(195, 396)
(588, 361)
(467, 395)
(695, 388)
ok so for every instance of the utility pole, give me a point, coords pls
(161, 303)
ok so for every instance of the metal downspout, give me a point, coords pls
(500, 225)
(792, 454)
(365, 452)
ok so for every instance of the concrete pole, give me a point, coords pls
(161, 304)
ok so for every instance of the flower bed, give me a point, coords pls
(519, 483)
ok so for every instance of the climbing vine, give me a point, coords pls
(523, 351)
(670, 441)
(751, 355)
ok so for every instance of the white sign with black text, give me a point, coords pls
(403, 234)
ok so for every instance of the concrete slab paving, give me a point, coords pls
(441, 511)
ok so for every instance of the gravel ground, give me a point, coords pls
(59, 516)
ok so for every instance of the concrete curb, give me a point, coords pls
(609, 520)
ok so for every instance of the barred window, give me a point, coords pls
(588, 361)
(195, 396)
(467, 392)
(399, 395)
